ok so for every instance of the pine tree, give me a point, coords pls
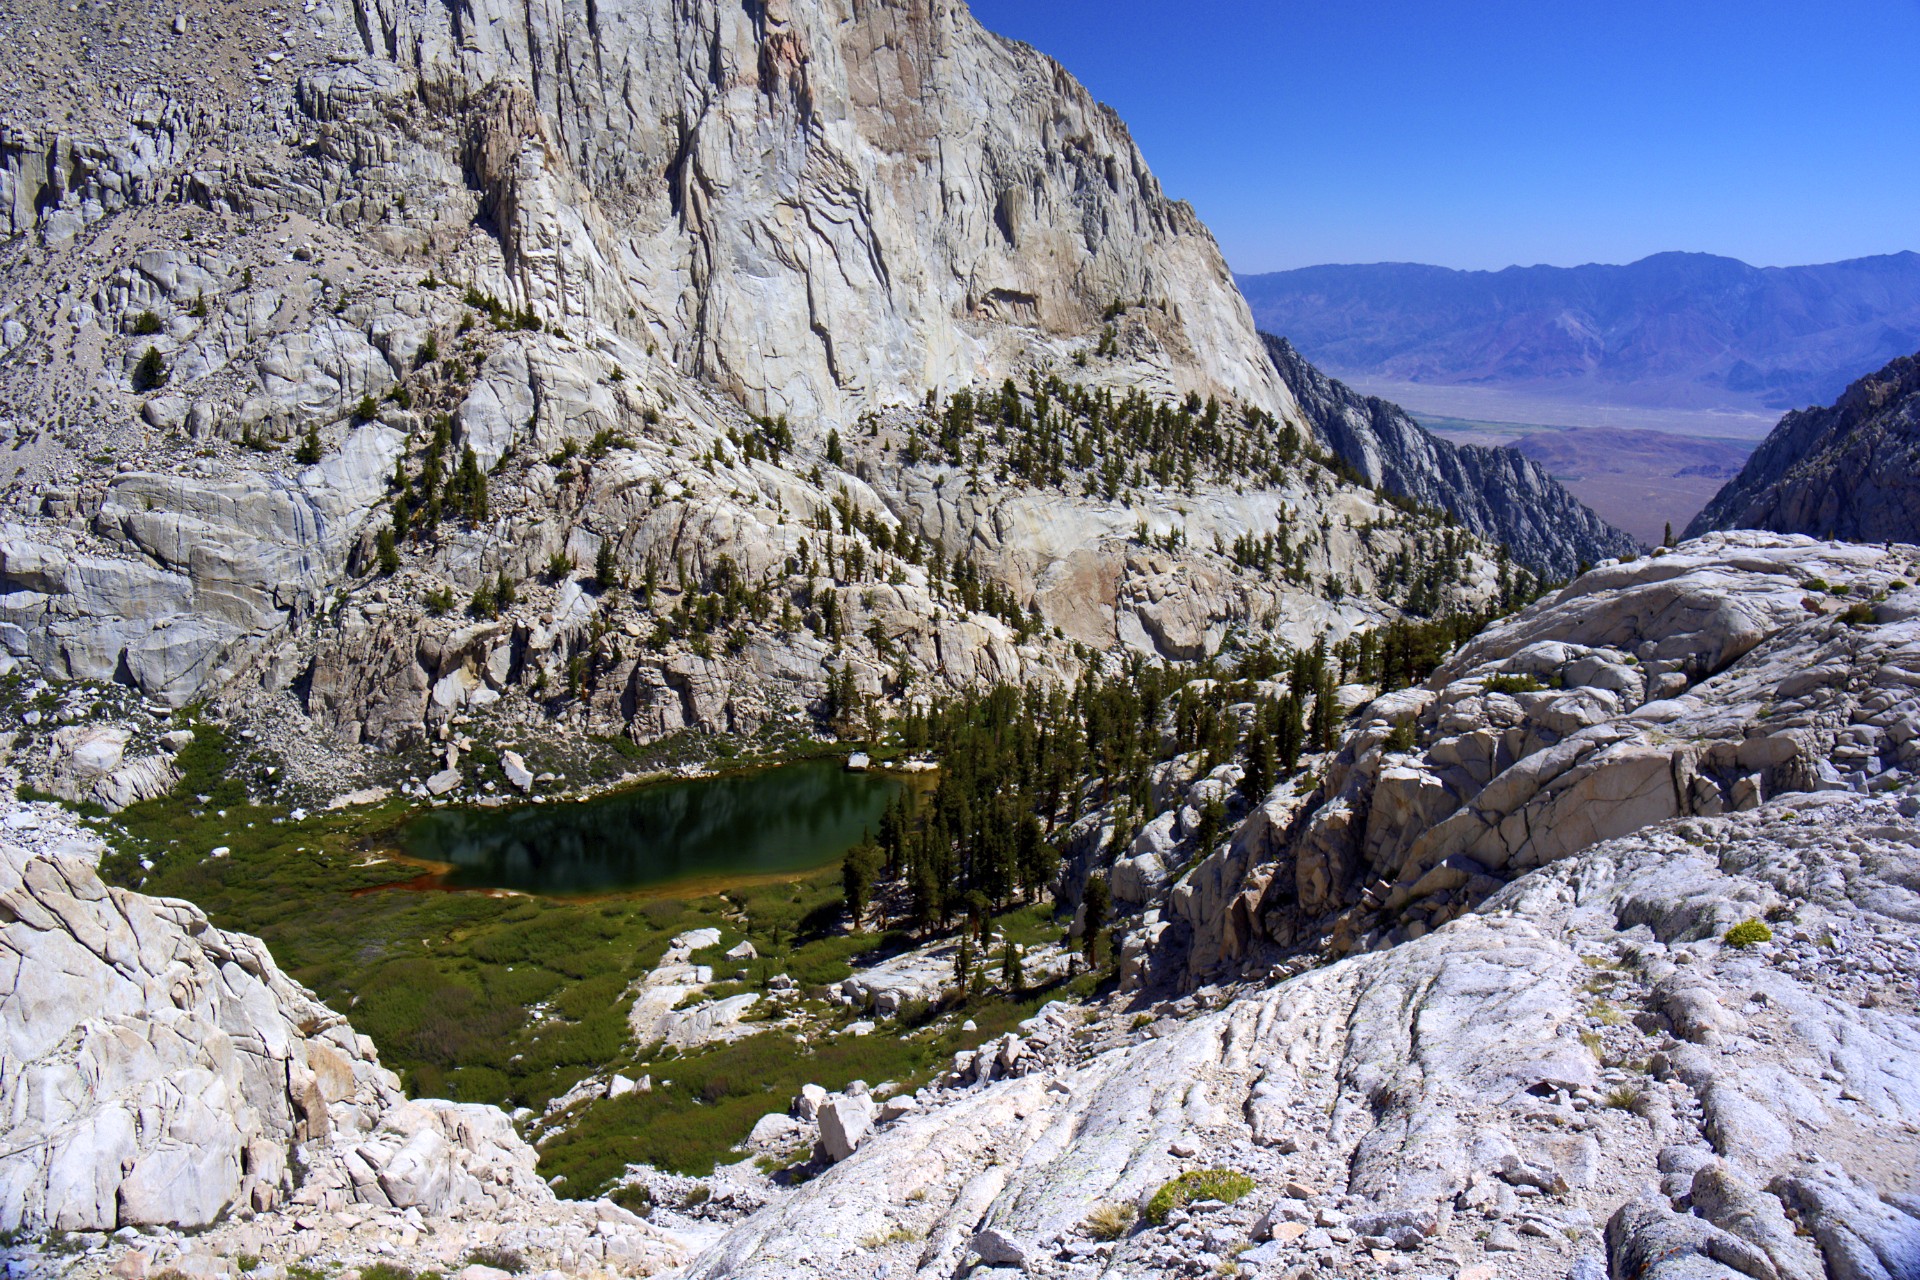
(470, 487)
(309, 451)
(151, 372)
(979, 913)
(387, 552)
(606, 566)
(835, 454)
(929, 902)
(893, 832)
(858, 870)
(1325, 712)
(1208, 830)
(1097, 908)
(1259, 776)
(1012, 971)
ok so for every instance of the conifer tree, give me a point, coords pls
(858, 870)
(1098, 908)
(1259, 776)
(606, 566)
(151, 372)
(470, 483)
(388, 553)
(309, 451)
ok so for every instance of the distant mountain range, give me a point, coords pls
(1676, 330)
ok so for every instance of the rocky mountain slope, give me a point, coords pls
(1579, 1076)
(1546, 1055)
(1675, 330)
(1593, 955)
(1845, 471)
(391, 376)
(388, 376)
(1497, 493)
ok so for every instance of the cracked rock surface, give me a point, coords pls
(1579, 1069)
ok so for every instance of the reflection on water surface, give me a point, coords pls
(791, 818)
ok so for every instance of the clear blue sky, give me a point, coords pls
(1494, 132)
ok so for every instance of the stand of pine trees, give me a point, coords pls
(1019, 765)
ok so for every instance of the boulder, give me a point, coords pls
(775, 1131)
(845, 1121)
(998, 1248)
(806, 1106)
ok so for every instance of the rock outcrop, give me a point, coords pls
(1499, 494)
(1696, 681)
(163, 1072)
(1850, 470)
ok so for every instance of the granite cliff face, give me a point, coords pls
(680, 278)
(1851, 470)
(820, 207)
(1499, 494)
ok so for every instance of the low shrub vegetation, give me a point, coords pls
(508, 1260)
(1111, 1221)
(1224, 1185)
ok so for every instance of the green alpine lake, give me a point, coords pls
(763, 822)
